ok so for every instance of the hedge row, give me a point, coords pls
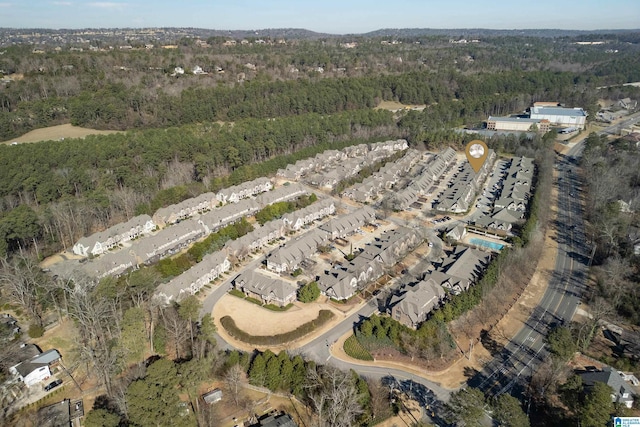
(230, 326)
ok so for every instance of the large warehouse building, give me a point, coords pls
(519, 124)
(575, 117)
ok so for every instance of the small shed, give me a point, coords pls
(212, 396)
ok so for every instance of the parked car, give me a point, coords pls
(52, 385)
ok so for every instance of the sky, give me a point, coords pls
(327, 16)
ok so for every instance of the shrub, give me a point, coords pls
(274, 307)
(354, 349)
(323, 317)
(35, 331)
(309, 292)
(237, 293)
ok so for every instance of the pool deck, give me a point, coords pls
(469, 236)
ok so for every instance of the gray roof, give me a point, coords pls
(182, 284)
(418, 300)
(298, 249)
(275, 228)
(110, 264)
(610, 377)
(28, 351)
(558, 111)
(114, 232)
(246, 187)
(309, 212)
(37, 361)
(514, 119)
(465, 263)
(281, 194)
(391, 245)
(167, 240)
(282, 420)
(350, 222)
(225, 215)
(187, 207)
(254, 282)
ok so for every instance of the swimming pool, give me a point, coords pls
(486, 244)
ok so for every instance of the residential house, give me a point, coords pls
(110, 264)
(628, 104)
(101, 242)
(281, 194)
(391, 146)
(488, 224)
(347, 224)
(413, 304)
(266, 289)
(456, 198)
(256, 239)
(298, 170)
(167, 241)
(296, 220)
(37, 368)
(403, 199)
(342, 281)
(456, 232)
(461, 268)
(392, 246)
(622, 392)
(289, 256)
(228, 214)
(281, 420)
(194, 279)
(245, 190)
(185, 209)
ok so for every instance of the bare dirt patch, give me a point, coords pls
(395, 106)
(54, 133)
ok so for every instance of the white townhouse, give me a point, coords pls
(101, 242)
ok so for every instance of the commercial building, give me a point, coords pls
(560, 116)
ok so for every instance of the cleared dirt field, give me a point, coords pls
(54, 133)
(394, 106)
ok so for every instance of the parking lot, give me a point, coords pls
(485, 201)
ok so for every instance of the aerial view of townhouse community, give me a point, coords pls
(283, 228)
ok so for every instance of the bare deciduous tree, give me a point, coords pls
(234, 379)
(21, 279)
(333, 396)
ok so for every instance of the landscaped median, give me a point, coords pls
(324, 316)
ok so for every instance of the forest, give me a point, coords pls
(258, 109)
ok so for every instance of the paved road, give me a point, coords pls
(526, 350)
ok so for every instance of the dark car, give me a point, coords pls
(52, 385)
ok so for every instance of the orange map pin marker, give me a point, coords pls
(476, 152)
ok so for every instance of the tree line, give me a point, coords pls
(54, 193)
(114, 105)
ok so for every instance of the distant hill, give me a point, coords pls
(56, 37)
(483, 32)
